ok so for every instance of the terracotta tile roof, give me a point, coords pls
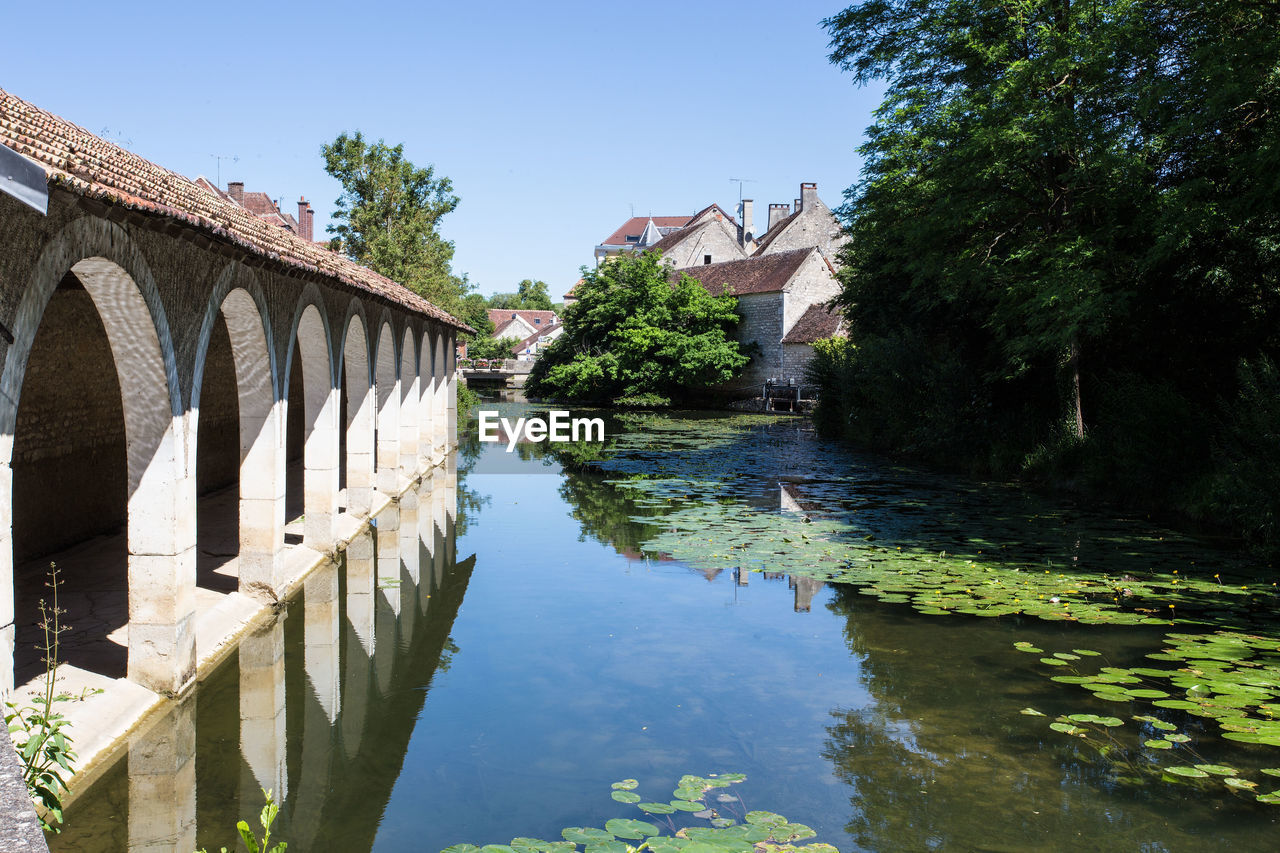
(767, 274)
(516, 348)
(86, 165)
(573, 291)
(499, 317)
(259, 203)
(773, 232)
(818, 322)
(634, 227)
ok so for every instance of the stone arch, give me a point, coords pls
(440, 411)
(238, 300)
(160, 488)
(410, 390)
(388, 400)
(360, 405)
(309, 340)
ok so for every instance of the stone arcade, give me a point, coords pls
(167, 355)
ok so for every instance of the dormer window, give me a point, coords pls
(633, 238)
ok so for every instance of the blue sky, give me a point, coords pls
(554, 120)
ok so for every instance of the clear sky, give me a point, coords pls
(554, 120)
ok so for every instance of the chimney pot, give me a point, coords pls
(777, 213)
(808, 194)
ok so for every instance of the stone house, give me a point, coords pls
(519, 323)
(781, 300)
(811, 224)
(710, 237)
(528, 349)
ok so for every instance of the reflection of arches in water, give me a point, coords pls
(262, 712)
(92, 278)
(358, 636)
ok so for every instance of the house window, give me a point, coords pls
(633, 238)
(706, 259)
(513, 316)
(537, 321)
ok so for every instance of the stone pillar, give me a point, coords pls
(388, 475)
(262, 492)
(440, 422)
(262, 714)
(360, 450)
(162, 557)
(451, 358)
(426, 401)
(320, 477)
(409, 388)
(162, 782)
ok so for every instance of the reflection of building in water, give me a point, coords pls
(355, 667)
(806, 589)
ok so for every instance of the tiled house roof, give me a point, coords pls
(88, 166)
(499, 317)
(516, 349)
(634, 227)
(757, 274)
(818, 322)
(677, 237)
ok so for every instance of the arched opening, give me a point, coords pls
(409, 407)
(439, 417)
(358, 419)
(99, 484)
(388, 423)
(311, 439)
(70, 485)
(426, 393)
(240, 518)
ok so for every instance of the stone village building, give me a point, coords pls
(163, 348)
(784, 279)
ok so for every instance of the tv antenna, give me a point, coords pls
(234, 158)
(740, 182)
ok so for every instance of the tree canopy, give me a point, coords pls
(388, 218)
(530, 295)
(636, 337)
(1067, 225)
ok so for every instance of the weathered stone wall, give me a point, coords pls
(795, 358)
(718, 240)
(761, 325)
(815, 226)
(812, 284)
(69, 449)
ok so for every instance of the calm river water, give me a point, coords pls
(499, 672)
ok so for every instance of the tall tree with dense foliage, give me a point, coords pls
(1066, 231)
(530, 295)
(388, 217)
(636, 337)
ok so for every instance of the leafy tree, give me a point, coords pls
(1068, 211)
(635, 336)
(388, 217)
(491, 347)
(530, 296)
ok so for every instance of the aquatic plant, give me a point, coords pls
(729, 828)
(268, 816)
(38, 732)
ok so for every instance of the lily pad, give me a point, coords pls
(630, 828)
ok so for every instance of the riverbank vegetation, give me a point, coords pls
(635, 338)
(1062, 261)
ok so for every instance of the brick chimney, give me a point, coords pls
(777, 213)
(809, 195)
(748, 226)
(311, 222)
(235, 189)
(304, 218)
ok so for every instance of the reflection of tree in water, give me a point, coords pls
(941, 759)
(605, 512)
